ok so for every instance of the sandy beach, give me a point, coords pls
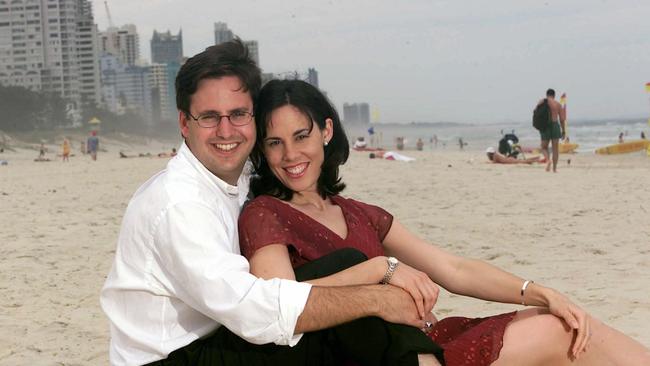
(583, 231)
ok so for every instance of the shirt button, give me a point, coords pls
(232, 191)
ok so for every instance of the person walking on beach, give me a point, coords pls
(93, 144)
(555, 131)
(66, 150)
(180, 293)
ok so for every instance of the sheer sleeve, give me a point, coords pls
(259, 226)
(379, 219)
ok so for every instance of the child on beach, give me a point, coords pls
(66, 150)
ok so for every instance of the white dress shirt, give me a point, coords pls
(178, 273)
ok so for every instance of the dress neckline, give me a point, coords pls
(335, 201)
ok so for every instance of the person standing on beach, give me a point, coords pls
(93, 144)
(419, 144)
(178, 279)
(555, 131)
(66, 150)
(461, 143)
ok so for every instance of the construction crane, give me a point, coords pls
(108, 14)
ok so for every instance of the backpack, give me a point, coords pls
(542, 116)
(504, 146)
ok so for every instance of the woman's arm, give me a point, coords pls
(272, 261)
(463, 276)
(479, 279)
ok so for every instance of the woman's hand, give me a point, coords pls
(423, 291)
(578, 319)
(430, 321)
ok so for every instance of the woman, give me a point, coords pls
(298, 216)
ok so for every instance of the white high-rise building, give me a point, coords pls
(125, 87)
(40, 42)
(122, 42)
(163, 104)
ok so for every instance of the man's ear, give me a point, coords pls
(183, 124)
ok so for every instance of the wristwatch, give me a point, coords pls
(392, 266)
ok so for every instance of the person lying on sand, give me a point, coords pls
(495, 157)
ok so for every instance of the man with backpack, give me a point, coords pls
(549, 118)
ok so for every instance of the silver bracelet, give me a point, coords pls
(523, 290)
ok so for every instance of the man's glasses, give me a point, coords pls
(212, 120)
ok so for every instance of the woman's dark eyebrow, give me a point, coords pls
(298, 132)
(301, 131)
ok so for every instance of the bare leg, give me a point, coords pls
(536, 337)
(556, 153)
(545, 152)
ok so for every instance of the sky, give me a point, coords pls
(431, 61)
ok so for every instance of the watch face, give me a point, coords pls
(392, 260)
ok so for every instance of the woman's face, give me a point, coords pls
(293, 147)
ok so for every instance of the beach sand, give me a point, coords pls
(583, 231)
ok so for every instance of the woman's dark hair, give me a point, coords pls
(314, 105)
(225, 59)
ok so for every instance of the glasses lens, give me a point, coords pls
(240, 118)
(208, 121)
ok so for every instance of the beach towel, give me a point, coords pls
(391, 155)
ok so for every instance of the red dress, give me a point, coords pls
(267, 220)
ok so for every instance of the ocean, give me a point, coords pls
(590, 135)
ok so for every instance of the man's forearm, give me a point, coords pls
(330, 306)
(327, 307)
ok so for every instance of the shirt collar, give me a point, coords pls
(230, 190)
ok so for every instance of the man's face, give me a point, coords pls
(223, 150)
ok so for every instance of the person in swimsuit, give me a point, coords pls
(555, 131)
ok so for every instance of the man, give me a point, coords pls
(178, 275)
(555, 131)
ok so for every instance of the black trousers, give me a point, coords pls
(367, 341)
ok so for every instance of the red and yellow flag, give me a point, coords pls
(647, 87)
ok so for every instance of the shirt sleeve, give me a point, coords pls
(260, 226)
(379, 218)
(200, 264)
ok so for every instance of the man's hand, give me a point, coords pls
(397, 306)
(563, 135)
